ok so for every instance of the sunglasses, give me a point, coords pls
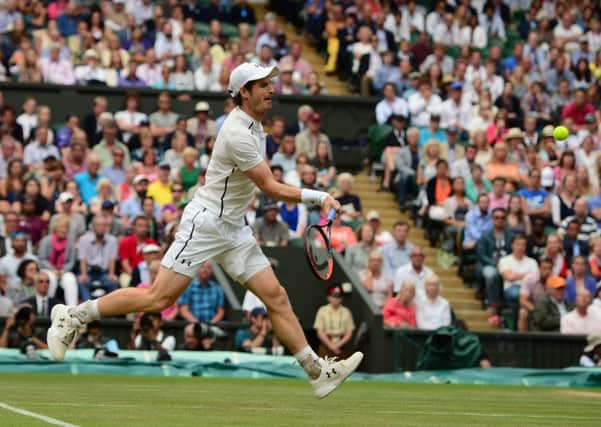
(43, 281)
(498, 217)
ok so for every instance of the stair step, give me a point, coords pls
(465, 304)
(481, 326)
(458, 293)
(480, 315)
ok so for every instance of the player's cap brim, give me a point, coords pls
(246, 72)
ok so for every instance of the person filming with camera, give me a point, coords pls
(19, 332)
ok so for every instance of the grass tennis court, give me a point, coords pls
(153, 401)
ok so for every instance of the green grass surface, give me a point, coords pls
(151, 401)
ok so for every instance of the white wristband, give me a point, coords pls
(313, 197)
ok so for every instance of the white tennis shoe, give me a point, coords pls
(333, 373)
(62, 331)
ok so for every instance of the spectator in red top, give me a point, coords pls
(578, 109)
(400, 310)
(130, 248)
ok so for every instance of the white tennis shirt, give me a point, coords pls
(239, 147)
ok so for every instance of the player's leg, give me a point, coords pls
(167, 287)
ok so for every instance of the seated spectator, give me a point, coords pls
(104, 191)
(552, 308)
(514, 267)
(375, 280)
(201, 126)
(407, 161)
(423, 104)
(20, 332)
(141, 272)
(269, 230)
(301, 67)
(555, 252)
(147, 334)
(181, 78)
(56, 70)
(130, 78)
(129, 119)
(57, 253)
(41, 302)
(579, 279)
(390, 105)
(342, 236)
(592, 352)
(573, 245)
(584, 319)
(285, 84)
(64, 135)
(115, 173)
(324, 165)
(350, 203)
(498, 198)
(39, 149)
(296, 216)
(414, 271)
(462, 166)
(399, 312)
(130, 247)
(132, 206)
(198, 337)
(148, 277)
(477, 183)
(500, 165)
(578, 109)
(532, 291)
(258, 337)
(66, 208)
(535, 201)
(87, 181)
(92, 73)
(6, 307)
(456, 208)
(432, 311)
(162, 121)
(397, 252)
(588, 225)
(594, 260)
(356, 255)
(491, 247)
(433, 132)
(438, 190)
(274, 138)
(97, 254)
(562, 204)
(388, 73)
(517, 220)
(160, 190)
(203, 300)
(307, 140)
(334, 325)
(30, 222)
(285, 157)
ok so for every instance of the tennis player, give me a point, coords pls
(212, 227)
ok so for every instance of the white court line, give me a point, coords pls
(41, 417)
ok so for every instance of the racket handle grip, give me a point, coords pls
(331, 215)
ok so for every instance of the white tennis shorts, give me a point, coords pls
(203, 236)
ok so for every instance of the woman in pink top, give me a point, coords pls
(400, 310)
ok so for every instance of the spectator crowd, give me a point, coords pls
(469, 95)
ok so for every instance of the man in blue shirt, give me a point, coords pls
(87, 181)
(433, 132)
(396, 253)
(535, 201)
(204, 299)
(132, 206)
(477, 222)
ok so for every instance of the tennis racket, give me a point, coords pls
(318, 249)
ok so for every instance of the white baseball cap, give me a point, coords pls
(248, 72)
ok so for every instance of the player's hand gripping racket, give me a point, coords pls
(318, 249)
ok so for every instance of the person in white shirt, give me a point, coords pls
(472, 34)
(150, 69)
(515, 266)
(28, 119)
(432, 311)
(492, 23)
(422, 104)
(166, 46)
(141, 10)
(454, 113)
(391, 104)
(36, 151)
(435, 17)
(585, 318)
(447, 31)
(206, 77)
(567, 33)
(415, 271)
(92, 71)
(398, 26)
(413, 18)
(269, 37)
(129, 119)
(492, 82)
(212, 227)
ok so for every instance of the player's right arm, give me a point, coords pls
(261, 175)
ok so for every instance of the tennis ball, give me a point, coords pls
(560, 133)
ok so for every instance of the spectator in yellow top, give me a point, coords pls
(160, 189)
(334, 325)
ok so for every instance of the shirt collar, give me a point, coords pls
(247, 118)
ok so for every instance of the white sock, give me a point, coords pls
(310, 362)
(87, 312)
(307, 351)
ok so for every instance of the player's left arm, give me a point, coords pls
(261, 175)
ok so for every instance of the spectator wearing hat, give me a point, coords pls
(204, 300)
(550, 309)
(423, 104)
(592, 352)
(76, 221)
(131, 246)
(132, 206)
(455, 112)
(104, 149)
(584, 319)
(141, 272)
(163, 120)
(334, 325)
(258, 337)
(399, 312)
(87, 182)
(391, 104)
(92, 72)
(160, 189)
(268, 229)
(201, 126)
(307, 140)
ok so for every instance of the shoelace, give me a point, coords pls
(330, 359)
